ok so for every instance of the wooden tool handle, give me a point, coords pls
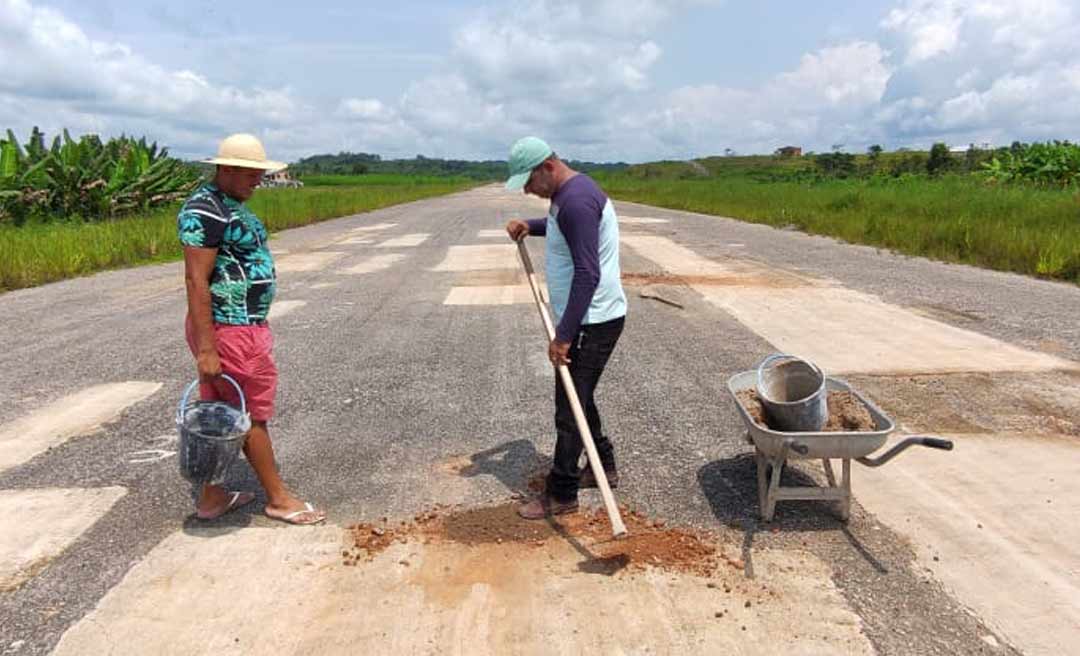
(618, 529)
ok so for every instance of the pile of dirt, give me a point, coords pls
(368, 541)
(495, 524)
(846, 412)
(649, 542)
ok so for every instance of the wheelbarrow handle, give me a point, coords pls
(937, 443)
(903, 445)
(181, 410)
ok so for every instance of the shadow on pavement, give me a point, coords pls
(730, 485)
(511, 463)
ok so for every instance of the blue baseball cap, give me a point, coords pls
(525, 155)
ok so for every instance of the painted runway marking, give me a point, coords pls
(373, 228)
(282, 308)
(842, 330)
(307, 261)
(78, 414)
(470, 599)
(480, 257)
(489, 295)
(640, 220)
(373, 264)
(405, 241)
(37, 525)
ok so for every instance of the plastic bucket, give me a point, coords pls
(211, 435)
(793, 393)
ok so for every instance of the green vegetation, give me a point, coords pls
(356, 164)
(947, 216)
(86, 178)
(1055, 164)
(83, 206)
(43, 251)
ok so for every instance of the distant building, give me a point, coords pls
(279, 179)
(985, 145)
(789, 151)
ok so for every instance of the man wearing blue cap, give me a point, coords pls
(581, 260)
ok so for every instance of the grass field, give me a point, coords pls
(955, 218)
(37, 253)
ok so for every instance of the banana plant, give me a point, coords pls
(86, 177)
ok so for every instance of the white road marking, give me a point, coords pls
(37, 525)
(373, 228)
(493, 234)
(307, 261)
(460, 599)
(405, 241)
(845, 331)
(282, 308)
(78, 414)
(374, 263)
(997, 523)
(326, 285)
(489, 295)
(842, 330)
(357, 241)
(480, 257)
(640, 220)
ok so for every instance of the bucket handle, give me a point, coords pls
(783, 356)
(182, 409)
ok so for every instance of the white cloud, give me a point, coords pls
(365, 109)
(931, 28)
(582, 73)
(817, 103)
(983, 70)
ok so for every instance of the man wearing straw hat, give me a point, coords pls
(231, 281)
(585, 289)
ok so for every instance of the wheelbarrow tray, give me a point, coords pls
(819, 444)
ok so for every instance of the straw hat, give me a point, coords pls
(245, 151)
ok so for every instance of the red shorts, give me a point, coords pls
(245, 354)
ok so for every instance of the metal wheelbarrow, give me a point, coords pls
(772, 449)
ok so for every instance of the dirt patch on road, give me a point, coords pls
(650, 543)
(737, 279)
(1034, 404)
(846, 412)
(1045, 403)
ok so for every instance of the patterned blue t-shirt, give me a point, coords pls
(243, 283)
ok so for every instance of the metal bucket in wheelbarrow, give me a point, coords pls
(211, 435)
(793, 392)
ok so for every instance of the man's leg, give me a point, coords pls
(603, 445)
(588, 357)
(562, 481)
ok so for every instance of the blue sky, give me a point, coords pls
(630, 80)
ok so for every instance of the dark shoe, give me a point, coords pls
(546, 506)
(588, 480)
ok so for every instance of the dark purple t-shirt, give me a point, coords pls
(581, 206)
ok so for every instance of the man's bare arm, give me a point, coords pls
(198, 267)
